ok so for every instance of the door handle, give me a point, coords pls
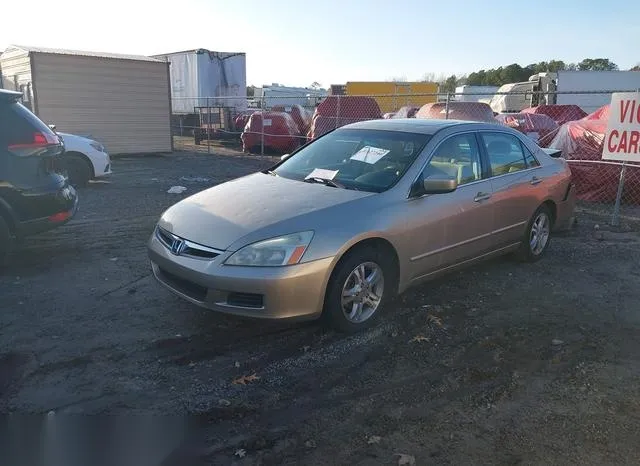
(482, 197)
(535, 180)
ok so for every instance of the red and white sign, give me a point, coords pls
(622, 139)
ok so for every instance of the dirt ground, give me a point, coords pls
(502, 364)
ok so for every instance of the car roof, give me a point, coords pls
(418, 125)
(9, 96)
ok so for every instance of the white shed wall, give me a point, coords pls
(121, 103)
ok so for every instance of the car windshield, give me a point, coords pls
(361, 159)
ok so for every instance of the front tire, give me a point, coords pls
(78, 169)
(537, 236)
(359, 289)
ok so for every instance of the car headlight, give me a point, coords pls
(273, 252)
(97, 146)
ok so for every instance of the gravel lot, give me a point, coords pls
(501, 364)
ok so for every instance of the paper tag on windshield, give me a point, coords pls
(322, 173)
(267, 122)
(369, 154)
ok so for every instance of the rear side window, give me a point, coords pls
(529, 158)
(21, 130)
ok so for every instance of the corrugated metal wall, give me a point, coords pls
(15, 67)
(123, 104)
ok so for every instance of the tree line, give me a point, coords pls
(516, 73)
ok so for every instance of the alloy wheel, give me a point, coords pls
(539, 235)
(362, 292)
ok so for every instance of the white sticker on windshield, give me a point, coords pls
(369, 154)
(322, 173)
(267, 122)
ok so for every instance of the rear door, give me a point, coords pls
(456, 226)
(514, 182)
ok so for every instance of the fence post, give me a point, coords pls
(615, 220)
(446, 107)
(208, 120)
(262, 109)
(335, 124)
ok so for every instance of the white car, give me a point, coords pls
(84, 159)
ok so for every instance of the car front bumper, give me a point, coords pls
(101, 163)
(295, 291)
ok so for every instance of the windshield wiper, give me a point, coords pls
(269, 172)
(325, 181)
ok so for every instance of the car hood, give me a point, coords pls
(217, 217)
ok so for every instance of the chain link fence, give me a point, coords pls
(574, 122)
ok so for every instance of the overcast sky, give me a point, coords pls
(296, 42)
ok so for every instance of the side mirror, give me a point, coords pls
(52, 127)
(435, 185)
(284, 157)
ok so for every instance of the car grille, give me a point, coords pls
(245, 300)
(190, 249)
(186, 287)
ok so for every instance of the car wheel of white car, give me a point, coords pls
(358, 290)
(537, 236)
(78, 169)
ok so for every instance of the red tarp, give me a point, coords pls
(583, 140)
(300, 115)
(467, 111)
(561, 114)
(601, 114)
(241, 120)
(281, 133)
(335, 111)
(534, 125)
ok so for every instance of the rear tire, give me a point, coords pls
(78, 169)
(6, 242)
(537, 236)
(355, 295)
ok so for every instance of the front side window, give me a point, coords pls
(505, 152)
(457, 157)
(361, 159)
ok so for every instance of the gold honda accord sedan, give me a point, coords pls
(360, 214)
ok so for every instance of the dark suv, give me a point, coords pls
(35, 195)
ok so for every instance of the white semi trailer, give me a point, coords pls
(564, 88)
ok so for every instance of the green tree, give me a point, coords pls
(635, 68)
(516, 73)
(449, 85)
(476, 78)
(597, 64)
(556, 65)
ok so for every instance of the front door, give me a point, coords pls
(456, 226)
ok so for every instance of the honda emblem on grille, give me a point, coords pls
(177, 246)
